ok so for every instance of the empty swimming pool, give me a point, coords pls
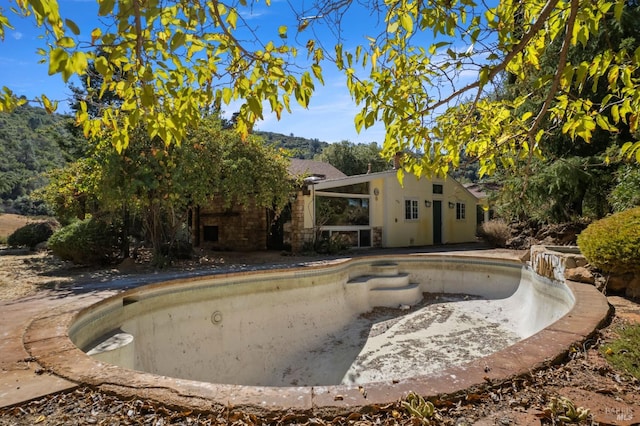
(357, 322)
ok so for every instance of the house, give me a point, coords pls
(248, 227)
(369, 210)
(374, 210)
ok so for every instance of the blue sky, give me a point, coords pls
(329, 117)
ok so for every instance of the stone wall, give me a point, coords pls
(566, 262)
(295, 233)
(560, 263)
(376, 236)
(239, 227)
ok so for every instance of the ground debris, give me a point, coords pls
(516, 401)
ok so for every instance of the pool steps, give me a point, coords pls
(387, 287)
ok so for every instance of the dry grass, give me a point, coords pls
(10, 222)
(495, 232)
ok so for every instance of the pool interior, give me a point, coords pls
(361, 323)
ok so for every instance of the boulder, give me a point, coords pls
(633, 288)
(128, 265)
(619, 282)
(579, 274)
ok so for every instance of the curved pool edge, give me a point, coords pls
(47, 340)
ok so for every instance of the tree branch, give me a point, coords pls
(535, 28)
(564, 52)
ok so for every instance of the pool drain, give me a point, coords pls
(216, 318)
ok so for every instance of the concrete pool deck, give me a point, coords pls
(32, 343)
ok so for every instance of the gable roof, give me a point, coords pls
(304, 168)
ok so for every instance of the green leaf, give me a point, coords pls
(484, 76)
(102, 66)
(317, 72)
(227, 93)
(72, 26)
(66, 42)
(178, 40)
(359, 122)
(78, 63)
(57, 60)
(255, 106)
(232, 18)
(105, 7)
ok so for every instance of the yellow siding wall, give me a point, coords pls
(459, 230)
(400, 232)
(387, 210)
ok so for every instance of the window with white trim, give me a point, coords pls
(460, 211)
(411, 209)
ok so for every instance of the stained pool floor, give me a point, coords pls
(442, 331)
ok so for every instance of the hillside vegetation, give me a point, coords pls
(31, 143)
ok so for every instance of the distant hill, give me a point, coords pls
(31, 143)
(298, 146)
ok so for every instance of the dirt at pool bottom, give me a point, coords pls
(585, 378)
(442, 331)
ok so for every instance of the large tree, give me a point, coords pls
(354, 159)
(159, 183)
(574, 178)
(182, 56)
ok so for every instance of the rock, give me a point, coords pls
(127, 265)
(570, 262)
(633, 289)
(619, 282)
(579, 274)
(519, 242)
(581, 261)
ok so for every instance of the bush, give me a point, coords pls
(86, 242)
(25, 205)
(32, 234)
(495, 232)
(612, 244)
(179, 249)
(626, 194)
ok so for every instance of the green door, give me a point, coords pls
(437, 222)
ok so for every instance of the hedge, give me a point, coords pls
(612, 244)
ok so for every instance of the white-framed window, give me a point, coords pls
(460, 211)
(411, 209)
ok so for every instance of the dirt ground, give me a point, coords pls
(584, 376)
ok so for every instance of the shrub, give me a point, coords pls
(495, 232)
(612, 244)
(624, 352)
(626, 194)
(335, 244)
(86, 242)
(28, 206)
(32, 234)
(178, 249)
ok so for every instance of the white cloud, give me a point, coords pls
(17, 35)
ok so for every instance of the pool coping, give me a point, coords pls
(47, 341)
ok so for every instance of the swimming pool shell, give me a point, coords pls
(154, 324)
